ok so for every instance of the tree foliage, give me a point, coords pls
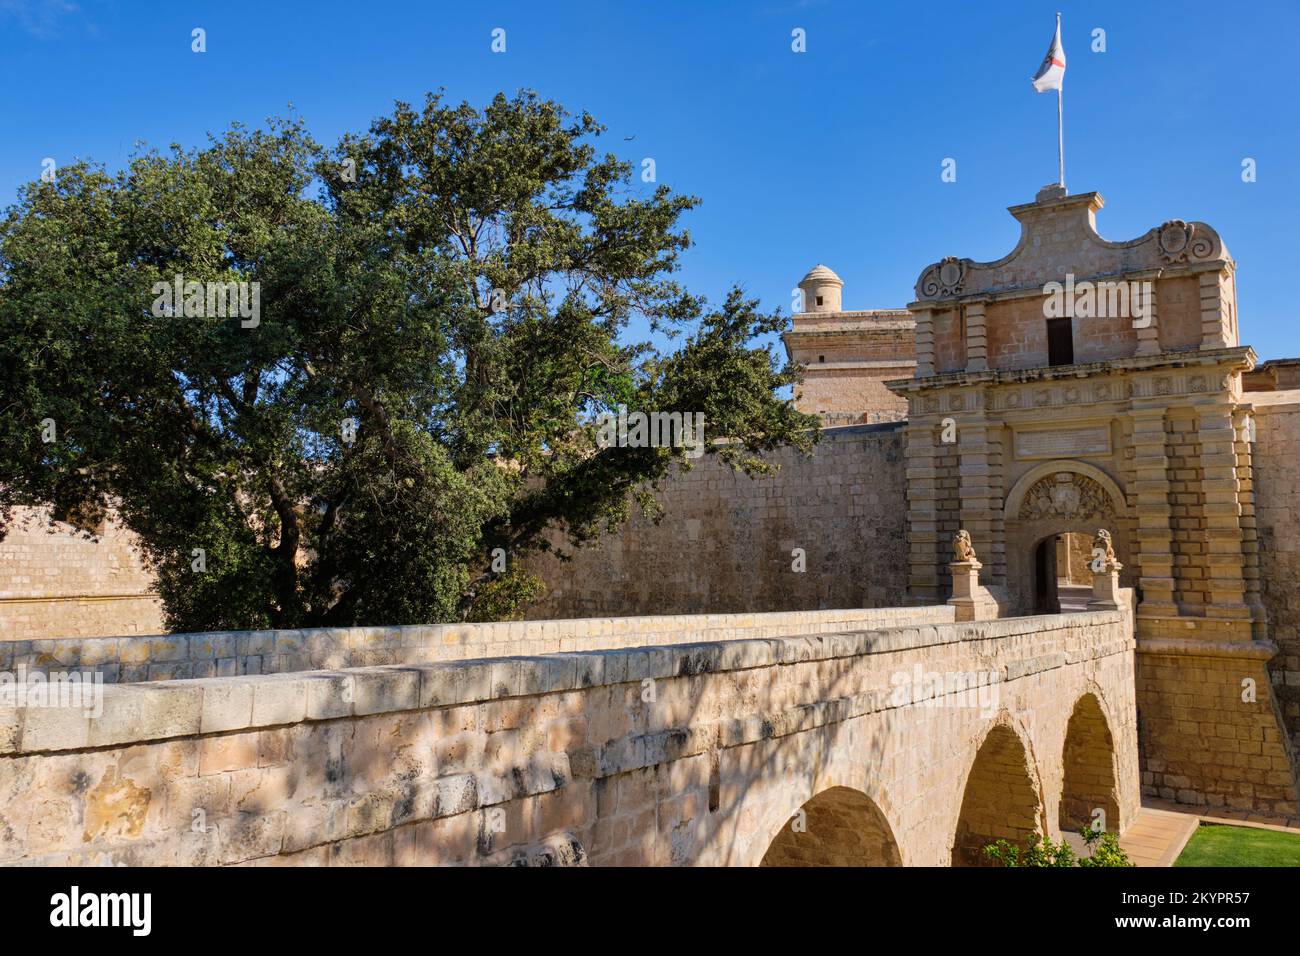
(456, 283)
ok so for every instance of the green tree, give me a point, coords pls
(442, 313)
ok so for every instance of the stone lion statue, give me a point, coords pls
(1103, 543)
(962, 550)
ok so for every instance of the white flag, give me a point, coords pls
(1052, 72)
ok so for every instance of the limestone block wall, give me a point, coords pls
(725, 546)
(847, 395)
(1219, 711)
(846, 358)
(1277, 504)
(1017, 333)
(241, 653)
(1017, 330)
(1099, 338)
(949, 341)
(58, 582)
(1187, 521)
(726, 541)
(1210, 727)
(1179, 304)
(691, 754)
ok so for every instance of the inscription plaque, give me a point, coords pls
(1063, 442)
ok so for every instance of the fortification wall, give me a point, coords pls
(725, 546)
(851, 393)
(56, 581)
(1277, 508)
(726, 541)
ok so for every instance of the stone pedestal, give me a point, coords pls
(966, 597)
(1105, 591)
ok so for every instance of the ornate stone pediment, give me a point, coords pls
(1058, 236)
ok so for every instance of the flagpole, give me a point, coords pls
(1060, 139)
(1060, 128)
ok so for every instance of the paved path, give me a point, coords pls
(1162, 829)
(1232, 818)
(1156, 837)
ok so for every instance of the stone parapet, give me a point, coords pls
(241, 653)
(696, 753)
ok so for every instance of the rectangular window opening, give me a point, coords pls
(1060, 342)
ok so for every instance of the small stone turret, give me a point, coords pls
(821, 290)
(847, 356)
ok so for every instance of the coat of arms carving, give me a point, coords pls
(1065, 495)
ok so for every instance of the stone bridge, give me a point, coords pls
(885, 737)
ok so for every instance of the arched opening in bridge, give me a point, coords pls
(838, 827)
(1062, 576)
(1000, 801)
(1089, 762)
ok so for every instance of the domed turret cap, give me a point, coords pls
(821, 275)
(821, 289)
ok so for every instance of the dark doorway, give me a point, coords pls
(1062, 576)
(1045, 599)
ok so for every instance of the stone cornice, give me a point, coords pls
(870, 314)
(864, 331)
(900, 322)
(1181, 646)
(1266, 403)
(1241, 358)
(1151, 378)
(900, 364)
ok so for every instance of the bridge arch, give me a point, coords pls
(1002, 797)
(1088, 768)
(840, 826)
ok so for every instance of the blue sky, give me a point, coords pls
(832, 155)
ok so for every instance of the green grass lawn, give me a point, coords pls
(1217, 845)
